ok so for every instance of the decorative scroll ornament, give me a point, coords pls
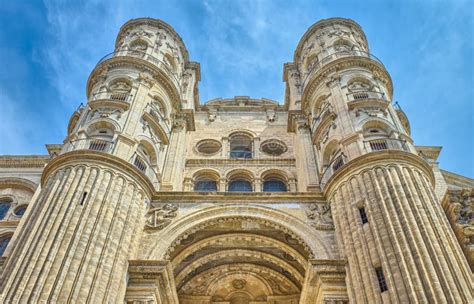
(159, 217)
(320, 216)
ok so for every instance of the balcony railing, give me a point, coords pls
(142, 165)
(337, 55)
(318, 119)
(385, 144)
(160, 118)
(336, 164)
(361, 95)
(114, 96)
(143, 55)
(93, 144)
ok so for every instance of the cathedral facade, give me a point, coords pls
(155, 197)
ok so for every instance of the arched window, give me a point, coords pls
(274, 185)
(5, 204)
(205, 185)
(20, 210)
(241, 146)
(3, 244)
(240, 185)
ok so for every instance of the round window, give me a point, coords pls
(208, 146)
(20, 210)
(273, 147)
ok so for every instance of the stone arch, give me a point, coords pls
(376, 122)
(239, 237)
(318, 105)
(330, 150)
(302, 233)
(18, 182)
(360, 83)
(102, 122)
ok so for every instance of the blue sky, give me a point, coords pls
(48, 49)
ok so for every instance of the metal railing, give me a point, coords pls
(142, 165)
(337, 55)
(385, 144)
(317, 120)
(143, 55)
(160, 118)
(114, 96)
(94, 144)
(336, 164)
(361, 95)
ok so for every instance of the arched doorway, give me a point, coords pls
(238, 254)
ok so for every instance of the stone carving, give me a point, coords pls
(320, 216)
(212, 115)
(239, 283)
(112, 113)
(359, 86)
(160, 37)
(370, 111)
(161, 216)
(141, 33)
(120, 86)
(185, 80)
(325, 134)
(271, 115)
(339, 33)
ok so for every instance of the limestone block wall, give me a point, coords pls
(77, 239)
(406, 235)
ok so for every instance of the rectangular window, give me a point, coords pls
(363, 215)
(381, 279)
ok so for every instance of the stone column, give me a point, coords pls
(306, 161)
(175, 158)
(257, 185)
(151, 282)
(407, 234)
(76, 241)
(325, 282)
(223, 184)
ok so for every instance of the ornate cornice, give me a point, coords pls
(325, 23)
(156, 23)
(379, 158)
(89, 157)
(27, 161)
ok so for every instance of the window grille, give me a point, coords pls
(98, 145)
(378, 144)
(363, 215)
(205, 186)
(381, 279)
(240, 186)
(4, 207)
(274, 186)
(3, 245)
(139, 163)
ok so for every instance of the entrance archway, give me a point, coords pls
(238, 254)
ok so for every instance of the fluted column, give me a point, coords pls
(407, 235)
(76, 243)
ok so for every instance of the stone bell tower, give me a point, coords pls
(389, 223)
(127, 140)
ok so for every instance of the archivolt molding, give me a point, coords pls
(233, 238)
(202, 284)
(17, 182)
(236, 253)
(312, 240)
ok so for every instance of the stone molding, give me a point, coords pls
(81, 157)
(374, 159)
